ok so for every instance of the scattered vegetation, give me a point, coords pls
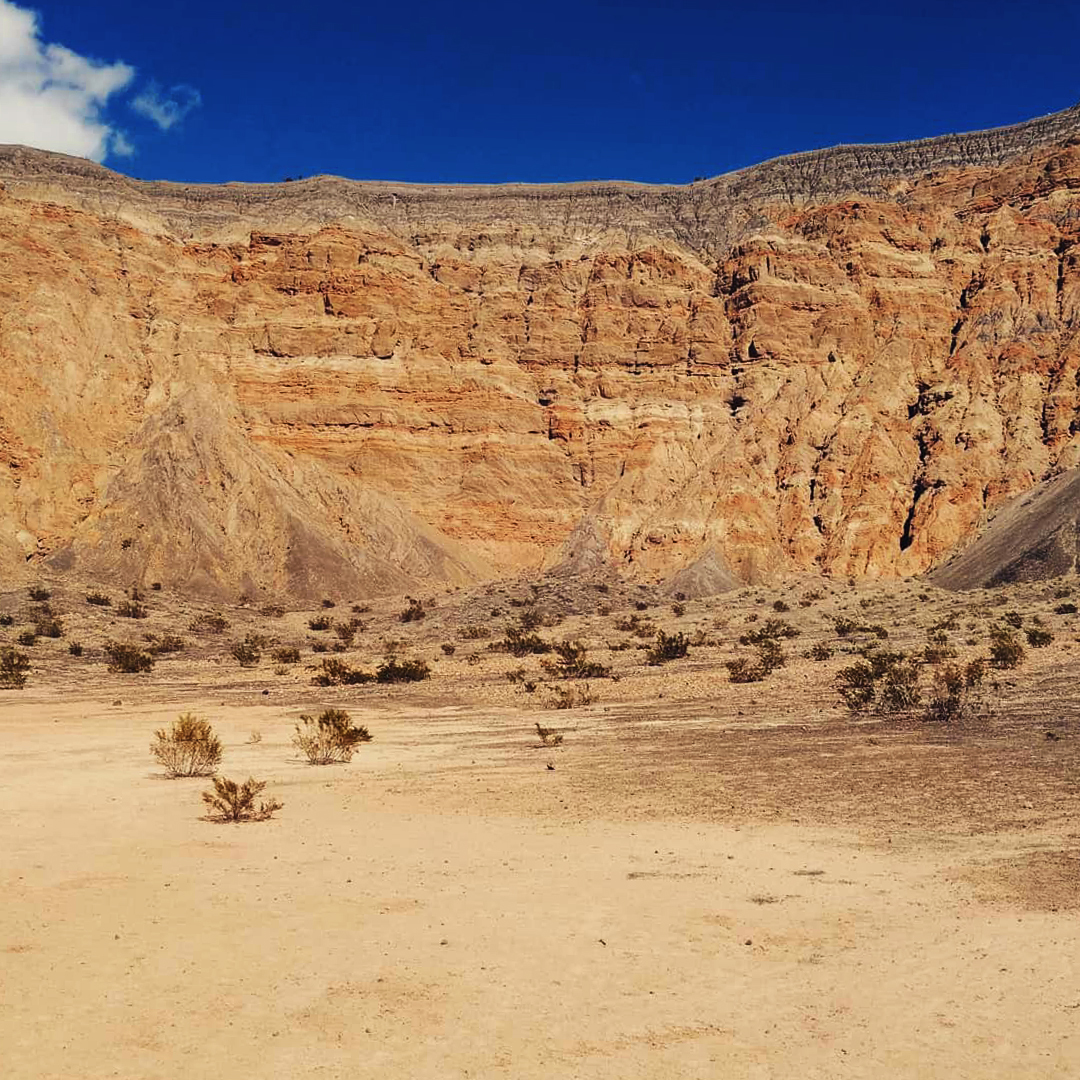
(329, 738)
(287, 654)
(14, 666)
(164, 643)
(130, 609)
(395, 671)
(572, 663)
(230, 801)
(1006, 652)
(320, 622)
(519, 642)
(549, 736)
(188, 748)
(1038, 637)
(39, 593)
(338, 673)
(414, 612)
(667, 647)
(98, 599)
(48, 626)
(247, 653)
(209, 623)
(27, 638)
(570, 697)
(127, 658)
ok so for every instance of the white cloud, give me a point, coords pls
(166, 109)
(53, 98)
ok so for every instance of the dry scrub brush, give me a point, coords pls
(230, 801)
(13, 668)
(188, 748)
(330, 738)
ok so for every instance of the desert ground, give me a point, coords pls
(703, 879)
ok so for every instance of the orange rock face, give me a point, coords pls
(282, 397)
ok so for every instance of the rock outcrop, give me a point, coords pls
(840, 362)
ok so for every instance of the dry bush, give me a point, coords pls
(329, 738)
(955, 692)
(743, 670)
(667, 647)
(570, 697)
(39, 593)
(164, 643)
(288, 654)
(98, 599)
(821, 650)
(13, 668)
(1006, 652)
(887, 682)
(210, 623)
(127, 658)
(1038, 637)
(395, 671)
(247, 653)
(75, 648)
(520, 643)
(129, 609)
(572, 663)
(448, 648)
(414, 612)
(6, 620)
(230, 801)
(770, 630)
(475, 633)
(320, 622)
(27, 638)
(345, 632)
(188, 748)
(338, 673)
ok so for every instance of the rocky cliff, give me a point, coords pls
(842, 361)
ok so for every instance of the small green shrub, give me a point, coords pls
(345, 632)
(770, 630)
(821, 650)
(475, 633)
(520, 643)
(570, 697)
(127, 658)
(48, 626)
(329, 738)
(742, 670)
(781, 606)
(395, 671)
(165, 643)
(667, 647)
(230, 801)
(14, 666)
(188, 748)
(886, 681)
(448, 648)
(1013, 619)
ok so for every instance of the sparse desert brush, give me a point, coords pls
(678, 610)
(770, 630)
(75, 648)
(741, 669)
(6, 620)
(820, 650)
(127, 658)
(230, 801)
(954, 692)
(531, 619)
(1065, 609)
(346, 632)
(414, 612)
(395, 671)
(319, 646)
(887, 682)
(248, 653)
(667, 647)
(570, 697)
(781, 606)
(188, 748)
(287, 654)
(98, 599)
(130, 609)
(520, 643)
(473, 659)
(328, 603)
(572, 663)
(14, 666)
(1006, 652)
(548, 736)
(39, 593)
(1038, 637)
(320, 622)
(515, 675)
(27, 638)
(329, 738)
(209, 623)
(1013, 619)
(338, 673)
(475, 633)
(448, 648)
(158, 644)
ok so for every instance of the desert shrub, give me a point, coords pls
(1013, 619)
(188, 748)
(448, 648)
(570, 697)
(667, 647)
(770, 655)
(27, 638)
(129, 609)
(641, 605)
(1065, 609)
(329, 738)
(781, 606)
(938, 650)
(886, 681)
(230, 801)
(338, 673)
(520, 643)
(770, 630)
(678, 610)
(320, 622)
(287, 654)
(345, 632)
(75, 648)
(899, 690)
(6, 620)
(821, 650)
(530, 619)
(165, 643)
(13, 668)
(39, 593)
(743, 670)
(1037, 637)
(98, 599)
(572, 663)
(127, 658)
(516, 675)
(156, 586)
(210, 623)
(1006, 652)
(328, 604)
(272, 611)
(475, 633)
(548, 736)
(844, 626)
(246, 653)
(395, 671)
(414, 612)
(48, 626)
(954, 692)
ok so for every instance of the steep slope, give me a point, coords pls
(303, 387)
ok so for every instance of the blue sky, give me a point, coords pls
(189, 90)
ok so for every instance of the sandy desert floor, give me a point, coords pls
(703, 880)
